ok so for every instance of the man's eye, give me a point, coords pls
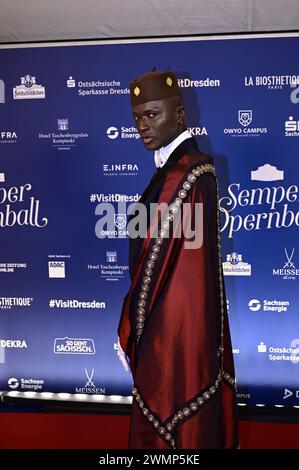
(136, 118)
(152, 115)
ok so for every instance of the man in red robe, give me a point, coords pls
(174, 327)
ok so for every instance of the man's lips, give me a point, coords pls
(147, 140)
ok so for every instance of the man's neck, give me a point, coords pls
(162, 154)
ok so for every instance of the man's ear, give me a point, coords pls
(181, 113)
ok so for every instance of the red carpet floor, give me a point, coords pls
(88, 431)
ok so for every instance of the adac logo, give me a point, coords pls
(56, 269)
(245, 117)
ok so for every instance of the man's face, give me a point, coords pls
(157, 121)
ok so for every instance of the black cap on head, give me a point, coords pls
(153, 86)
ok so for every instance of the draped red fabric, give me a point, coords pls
(181, 360)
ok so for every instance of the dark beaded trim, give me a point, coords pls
(150, 262)
(187, 411)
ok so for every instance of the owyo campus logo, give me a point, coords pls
(245, 117)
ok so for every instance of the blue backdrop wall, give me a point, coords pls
(68, 143)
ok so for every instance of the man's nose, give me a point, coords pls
(143, 124)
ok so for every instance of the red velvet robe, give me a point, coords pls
(176, 336)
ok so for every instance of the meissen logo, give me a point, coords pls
(288, 271)
(90, 387)
(28, 89)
